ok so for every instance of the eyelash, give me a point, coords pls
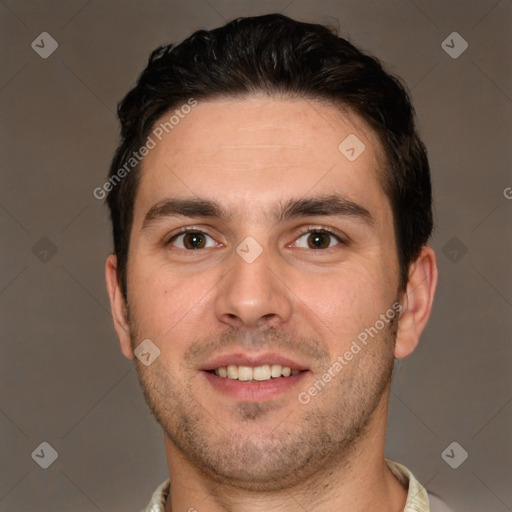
(185, 231)
(323, 231)
(309, 229)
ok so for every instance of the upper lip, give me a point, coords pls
(248, 359)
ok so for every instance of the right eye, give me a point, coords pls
(192, 240)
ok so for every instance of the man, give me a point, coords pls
(271, 206)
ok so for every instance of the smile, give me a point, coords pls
(254, 373)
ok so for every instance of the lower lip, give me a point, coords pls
(254, 391)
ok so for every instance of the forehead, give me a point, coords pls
(248, 152)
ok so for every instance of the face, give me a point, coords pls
(259, 249)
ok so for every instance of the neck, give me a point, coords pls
(358, 483)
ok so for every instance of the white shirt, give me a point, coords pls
(418, 500)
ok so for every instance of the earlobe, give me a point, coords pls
(417, 302)
(118, 306)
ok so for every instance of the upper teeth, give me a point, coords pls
(265, 372)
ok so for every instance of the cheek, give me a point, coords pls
(343, 303)
(167, 304)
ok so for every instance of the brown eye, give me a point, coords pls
(192, 240)
(317, 240)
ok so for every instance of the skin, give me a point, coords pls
(251, 156)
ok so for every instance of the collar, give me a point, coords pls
(417, 498)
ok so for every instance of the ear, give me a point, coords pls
(118, 307)
(417, 302)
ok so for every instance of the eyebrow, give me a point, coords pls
(327, 205)
(184, 208)
(330, 205)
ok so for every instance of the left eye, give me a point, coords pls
(193, 240)
(317, 240)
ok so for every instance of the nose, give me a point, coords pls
(252, 294)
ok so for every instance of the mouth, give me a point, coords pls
(254, 374)
(253, 378)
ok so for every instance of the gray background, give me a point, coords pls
(63, 379)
